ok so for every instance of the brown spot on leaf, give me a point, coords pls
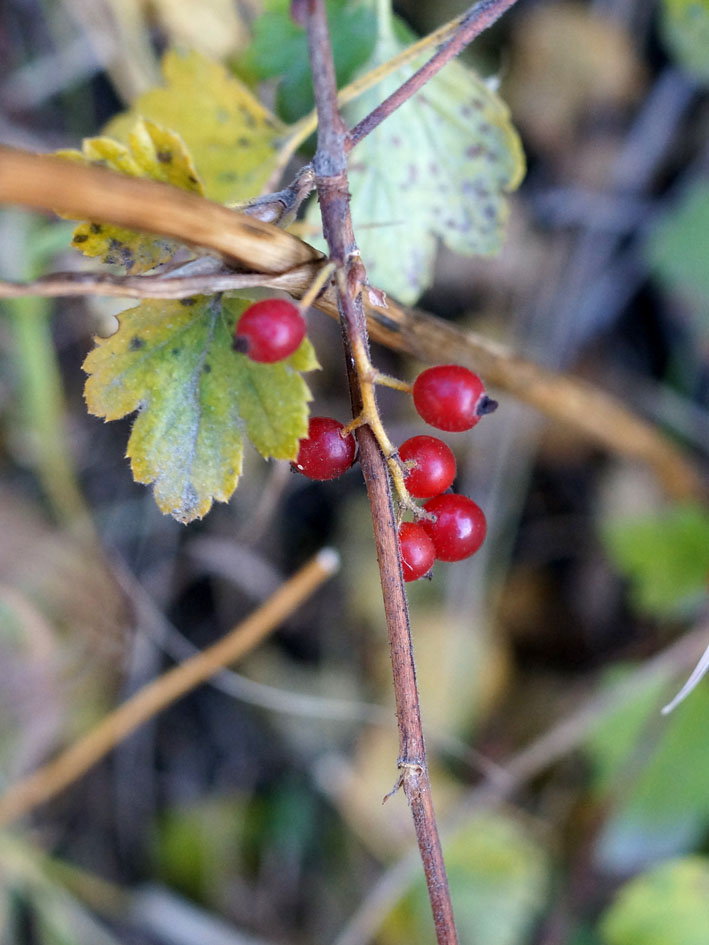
(127, 257)
(96, 228)
(188, 301)
(136, 343)
(80, 238)
(165, 157)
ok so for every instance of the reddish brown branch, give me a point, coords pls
(331, 179)
(478, 19)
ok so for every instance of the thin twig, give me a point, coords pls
(590, 411)
(478, 19)
(155, 286)
(56, 775)
(331, 180)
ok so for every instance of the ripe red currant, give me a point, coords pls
(451, 397)
(434, 471)
(417, 551)
(324, 453)
(459, 529)
(269, 331)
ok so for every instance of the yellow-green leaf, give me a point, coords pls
(438, 167)
(667, 905)
(173, 363)
(231, 136)
(498, 875)
(152, 151)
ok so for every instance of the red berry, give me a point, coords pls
(459, 529)
(325, 454)
(451, 397)
(434, 471)
(417, 551)
(269, 331)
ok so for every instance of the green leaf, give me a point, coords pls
(665, 557)
(438, 167)
(685, 29)
(196, 397)
(279, 49)
(154, 152)
(230, 135)
(676, 248)
(657, 769)
(194, 846)
(668, 905)
(498, 877)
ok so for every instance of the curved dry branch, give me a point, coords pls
(45, 182)
(51, 778)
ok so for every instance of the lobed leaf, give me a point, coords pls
(438, 167)
(230, 135)
(196, 398)
(154, 152)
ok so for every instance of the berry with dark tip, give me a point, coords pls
(269, 331)
(450, 397)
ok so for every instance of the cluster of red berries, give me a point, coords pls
(448, 397)
(451, 398)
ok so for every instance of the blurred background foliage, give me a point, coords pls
(250, 812)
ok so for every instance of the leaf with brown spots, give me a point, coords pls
(195, 398)
(439, 167)
(152, 151)
(231, 136)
